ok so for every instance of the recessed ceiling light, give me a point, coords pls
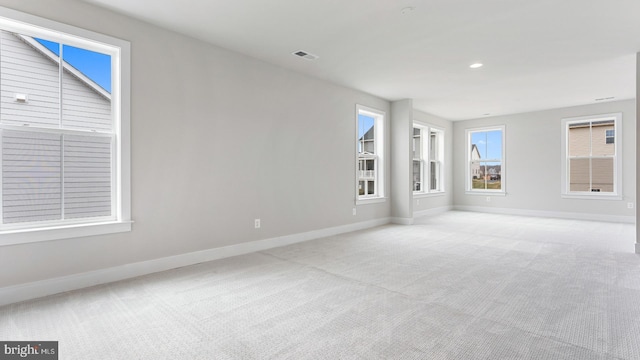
(487, 114)
(476, 65)
(406, 10)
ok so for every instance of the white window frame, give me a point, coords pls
(503, 168)
(425, 159)
(617, 163)
(379, 146)
(119, 50)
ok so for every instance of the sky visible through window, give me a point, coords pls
(365, 123)
(94, 65)
(489, 143)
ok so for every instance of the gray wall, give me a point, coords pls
(218, 139)
(401, 160)
(637, 147)
(445, 200)
(533, 161)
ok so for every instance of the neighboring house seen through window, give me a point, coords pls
(428, 159)
(369, 141)
(485, 152)
(61, 129)
(591, 152)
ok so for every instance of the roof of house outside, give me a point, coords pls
(68, 67)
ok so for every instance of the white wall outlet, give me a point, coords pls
(629, 205)
(354, 211)
(488, 198)
(417, 201)
(256, 223)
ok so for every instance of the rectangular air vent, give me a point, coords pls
(305, 55)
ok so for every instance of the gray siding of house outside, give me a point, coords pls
(82, 107)
(582, 142)
(25, 71)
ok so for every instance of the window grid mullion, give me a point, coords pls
(62, 140)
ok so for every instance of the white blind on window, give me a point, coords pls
(87, 176)
(54, 176)
(31, 176)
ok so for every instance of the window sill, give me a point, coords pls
(418, 195)
(591, 197)
(23, 236)
(367, 201)
(486, 193)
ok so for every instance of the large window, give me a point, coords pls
(485, 159)
(428, 159)
(591, 151)
(370, 150)
(63, 130)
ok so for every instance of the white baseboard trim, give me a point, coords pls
(402, 221)
(36, 289)
(432, 212)
(549, 214)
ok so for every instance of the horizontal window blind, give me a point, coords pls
(55, 176)
(87, 176)
(31, 177)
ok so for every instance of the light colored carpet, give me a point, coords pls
(454, 286)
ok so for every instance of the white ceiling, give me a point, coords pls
(538, 54)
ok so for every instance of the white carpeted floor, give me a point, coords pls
(454, 286)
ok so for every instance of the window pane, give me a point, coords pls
(602, 174)
(31, 171)
(361, 187)
(417, 150)
(370, 166)
(86, 89)
(366, 134)
(602, 144)
(610, 134)
(494, 144)
(477, 176)
(433, 146)
(29, 81)
(493, 175)
(371, 189)
(579, 179)
(435, 176)
(478, 145)
(87, 176)
(579, 139)
(417, 175)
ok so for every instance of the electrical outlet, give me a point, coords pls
(418, 202)
(256, 223)
(488, 198)
(629, 205)
(354, 211)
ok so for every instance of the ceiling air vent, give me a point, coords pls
(305, 55)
